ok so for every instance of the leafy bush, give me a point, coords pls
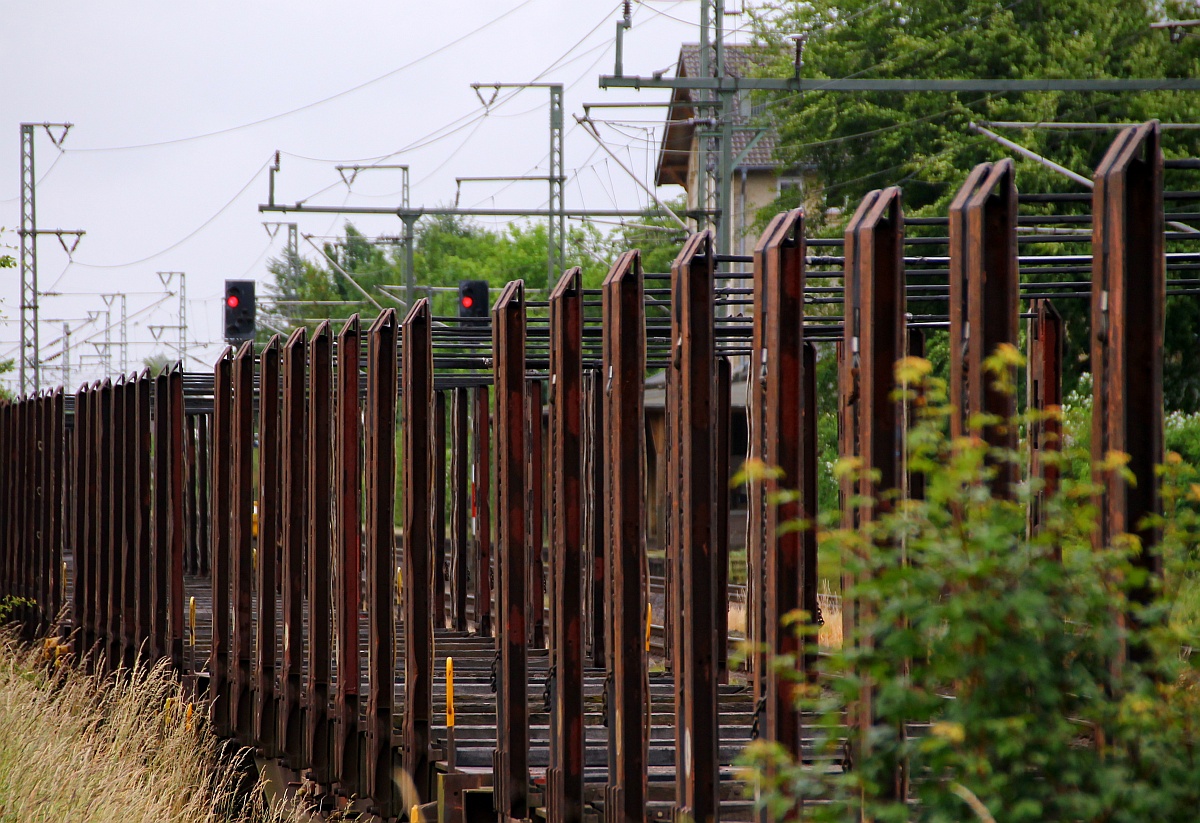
(994, 668)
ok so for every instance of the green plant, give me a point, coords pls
(992, 666)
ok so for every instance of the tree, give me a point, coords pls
(849, 144)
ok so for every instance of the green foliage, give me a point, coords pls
(11, 607)
(1000, 660)
(848, 144)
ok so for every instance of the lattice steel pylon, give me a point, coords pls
(29, 373)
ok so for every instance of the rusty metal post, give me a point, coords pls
(115, 523)
(347, 558)
(875, 338)
(985, 309)
(320, 553)
(594, 520)
(483, 514)
(439, 510)
(1045, 397)
(270, 494)
(129, 512)
(175, 594)
(460, 505)
(144, 530)
(60, 507)
(191, 549)
(564, 778)
(241, 471)
(102, 575)
(121, 601)
(1128, 308)
(219, 661)
(721, 469)
(535, 506)
(416, 335)
(693, 357)
(789, 556)
(624, 451)
(203, 492)
(293, 536)
(7, 486)
(380, 558)
(511, 760)
(80, 521)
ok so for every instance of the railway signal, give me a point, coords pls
(239, 310)
(473, 298)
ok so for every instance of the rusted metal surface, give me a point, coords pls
(144, 531)
(594, 521)
(270, 499)
(625, 536)
(174, 560)
(511, 770)
(875, 338)
(293, 540)
(127, 515)
(535, 508)
(984, 310)
(721, 472)
(460, 504)
(317, 718)
(789, 557)
(380, 559)
(241, 543)
(483, 513)
(222, 511)
(347, 565)
(1128, 308)
(417, 550)
(102, 573)
(692, 356)
(1045, 398)
(564, 778)
(438, 591)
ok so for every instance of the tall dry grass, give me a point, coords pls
(129, 747)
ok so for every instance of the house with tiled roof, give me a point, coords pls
(756, 176)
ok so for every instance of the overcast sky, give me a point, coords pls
(178, 108)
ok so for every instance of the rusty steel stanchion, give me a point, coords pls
(594, 517)
(460, 504)
(380, 541)
(347, 559)
(721, 470)
(438, 604)
(511, 764)
(222, 527)
(270, 433)
(293, 537)
(115, 523)
(102, 576)
(789, 556)
(241, 477)
(564, 777)
(625, 533)
(203, 490)
(175, 462)
(144, 530)
(875, 338)
(1044, 390)
(483, 513)
(59, 502)
(416, 335)
(535, 508)
(129, 513)
(692, 357)
(1128, 307)
(79, 514)
(320, 553)
(7, 490)
(984, 308)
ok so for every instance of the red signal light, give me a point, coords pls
(468, 301)
(232, 301)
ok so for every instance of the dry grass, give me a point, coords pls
(830, 635)
(131, 748)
